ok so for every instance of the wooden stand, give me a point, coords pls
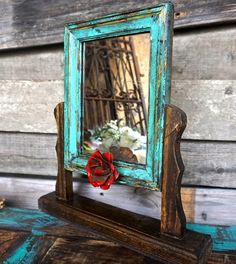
(166, 240)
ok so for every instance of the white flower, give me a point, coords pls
(115, 134)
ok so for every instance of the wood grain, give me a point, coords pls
(221, 258)
(9, 240)
(22, 101)
(37, 64)
(201, 205)
(173, 220)
(91, 251)
(58, 242)
(203, 62)
(139, 232)
(30, 23)
(209, 105)
(31, 250)
(205, 54)
(27, 153)
(200, 54)
(206, 163)
(64, 183)
(66, 250)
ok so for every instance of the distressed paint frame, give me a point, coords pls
(158, 22)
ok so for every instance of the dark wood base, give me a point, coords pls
(135, 231)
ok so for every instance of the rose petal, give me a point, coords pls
(94, 161)
(97, 154)
(116, 174)
(101, 179)
(105, 187)
(100, 170)
(108, 156)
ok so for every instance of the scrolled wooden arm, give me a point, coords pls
(64, 184)
(173, 220)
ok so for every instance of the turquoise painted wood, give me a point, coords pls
(38, 225)
(158, 22)
(224, 237)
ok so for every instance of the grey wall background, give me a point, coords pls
(204, 86)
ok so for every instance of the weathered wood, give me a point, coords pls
(31, 250)
(44, 23)
(92, 251)
(213, 59)
(23, 153)
(69, 243)
(210, 106)
(217, 232)
(173, 220)
(39, 224)
(10, 240)
(203, 54)
(209, 163)
(64, 184)
(138, 232)
(37, 64)
(206, 163)
(222, 258)
(201, 205)
(22, 101)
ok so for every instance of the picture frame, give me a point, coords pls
(156, 21)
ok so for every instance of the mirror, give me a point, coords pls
(115, 89)
(117, 83)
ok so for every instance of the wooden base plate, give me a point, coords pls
(135, 231)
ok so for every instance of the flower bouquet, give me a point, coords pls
(118, 139)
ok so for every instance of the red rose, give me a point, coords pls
(100, 170)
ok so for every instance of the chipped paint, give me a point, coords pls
(36, 223)
(158, 21)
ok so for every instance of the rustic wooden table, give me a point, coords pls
(30, 236)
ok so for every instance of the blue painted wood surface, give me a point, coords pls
(224, 237)
(38, 224)
(156, 20)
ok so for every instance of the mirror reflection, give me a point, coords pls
(115, 88)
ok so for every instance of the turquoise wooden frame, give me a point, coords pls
(157, 21)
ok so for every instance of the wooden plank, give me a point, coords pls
(23, 222)
(84, 250)
(210, 108)
(206, 163)
(201, 205)
(28, 105)
(67, 249)
(131, 230)
(222, 258)
(18, 222)
(28, 154)
(38, 64)
(209, 105)
(9, 240)
(32, 250)
(217, 233)
(213, 59)
(203, 54)
(24, 26)
(38, 223)
(209, 163)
